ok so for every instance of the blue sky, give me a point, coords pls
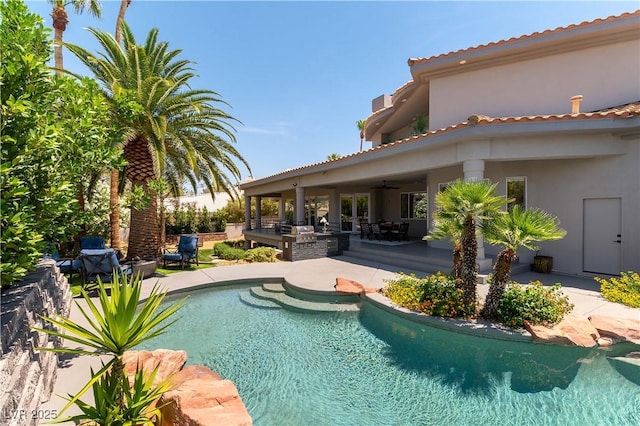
(299, 74)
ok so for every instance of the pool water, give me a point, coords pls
(373, 368)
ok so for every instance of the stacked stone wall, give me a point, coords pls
(28, 375)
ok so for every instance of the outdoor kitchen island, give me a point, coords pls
(301, 242)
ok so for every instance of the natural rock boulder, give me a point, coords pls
(169, 362)
(619, 329)
(344, 285)
(571, 331)
(202, 398)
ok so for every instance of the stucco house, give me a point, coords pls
(553, 118)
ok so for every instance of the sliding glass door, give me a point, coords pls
(354, 209)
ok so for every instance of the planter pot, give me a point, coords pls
(145, 268)
(543, 264)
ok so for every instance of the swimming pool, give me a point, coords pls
(373, 368)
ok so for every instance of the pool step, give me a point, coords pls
(287, 301)
(248, 299)
(274, 288)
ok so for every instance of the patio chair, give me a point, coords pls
(92, 243)
(379, 233)
(67, 265)
(187, 252)
(100, 263)
(401, 232)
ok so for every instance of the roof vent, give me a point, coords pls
(575, 104)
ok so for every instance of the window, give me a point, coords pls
(517, 190)
(443, 186)
(414, 205)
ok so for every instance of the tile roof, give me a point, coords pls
(627, 110)
(414, 61)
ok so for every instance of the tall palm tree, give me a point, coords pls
(517, 229)
(361, 124)
(61, 19)
(114, 197)
(465, 201)
(178, 128)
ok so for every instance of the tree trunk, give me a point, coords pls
(121, 12)
(501, 275)
(469, 272)
(114, 208)
(457, 265)
(60, 21)
(143, 234)
(114, 197)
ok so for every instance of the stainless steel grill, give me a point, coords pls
(304, 234)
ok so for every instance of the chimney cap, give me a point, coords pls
(577, 98)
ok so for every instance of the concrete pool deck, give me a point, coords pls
(316, 275)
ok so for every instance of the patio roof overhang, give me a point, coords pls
(506, 139)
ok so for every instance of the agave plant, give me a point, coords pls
(117, 323)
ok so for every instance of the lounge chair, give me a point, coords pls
(187, 252)
(100, 263)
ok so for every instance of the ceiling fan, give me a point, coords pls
(385, 186)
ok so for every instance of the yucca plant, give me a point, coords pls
(117, 323)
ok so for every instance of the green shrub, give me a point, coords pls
(261, 254)
(434, 295)
(625, 290)
(220, 218)
(534, 303)
(225, 252)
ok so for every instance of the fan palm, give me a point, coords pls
(178, 128)
(464, 202)
(61, 19)
(518, 229)
(451, 229)
(361, 124)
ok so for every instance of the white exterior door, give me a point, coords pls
(602, 251)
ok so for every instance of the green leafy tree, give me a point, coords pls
(519, 228)
(119, 321)
(333, 156)
(463, 202)
(180, 128)
(53, 132)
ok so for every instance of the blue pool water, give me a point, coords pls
(372, 368)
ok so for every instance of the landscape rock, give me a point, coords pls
(571, 331)
(170, 362)
(344, 285)
(619, 329)
(203, 400)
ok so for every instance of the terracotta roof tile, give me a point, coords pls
(414, 61)
(627, 110)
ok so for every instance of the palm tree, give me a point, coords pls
(61, 19)
(361, 124)
(333, 156)
(451, 229)
(114, 198)
(178, 129)
(518, 228)
(464, 202)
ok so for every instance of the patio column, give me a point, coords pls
(299, 205)
(247, 213)
(474, 170)
(281, 209)
(258, 212)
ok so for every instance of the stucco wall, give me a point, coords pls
(606, 76)
(559, 187)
